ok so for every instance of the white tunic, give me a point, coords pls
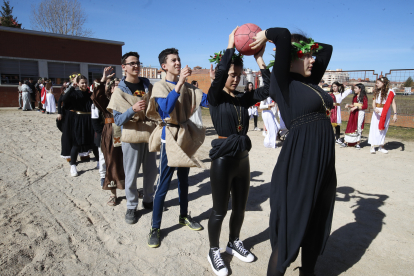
(252, 111)
(196, 117)
(270, 123)
(50, 101)
(377, 137)
(339, 97)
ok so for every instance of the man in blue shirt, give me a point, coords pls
(172, 103)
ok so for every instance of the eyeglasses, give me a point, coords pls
(132, 64)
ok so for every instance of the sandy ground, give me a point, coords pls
(55, 224)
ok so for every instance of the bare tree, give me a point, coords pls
(59, 17)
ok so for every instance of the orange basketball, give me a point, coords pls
(244, 36)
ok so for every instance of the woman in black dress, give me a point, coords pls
(230, 168)
(78, 121)
(303, 185)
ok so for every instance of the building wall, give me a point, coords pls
(48, 47)
(203, 80)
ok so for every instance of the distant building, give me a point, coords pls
(331, 76)
(28, 54)
(150, 73)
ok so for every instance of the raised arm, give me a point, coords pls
(221, 74)
(321, 63)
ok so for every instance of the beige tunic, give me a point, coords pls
(184, 139)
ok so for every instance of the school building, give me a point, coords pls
(28, 54)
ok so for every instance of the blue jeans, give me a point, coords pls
(164, 180)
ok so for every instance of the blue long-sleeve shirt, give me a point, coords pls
(166, 106)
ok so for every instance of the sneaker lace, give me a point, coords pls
(218, 261)
(239, 244)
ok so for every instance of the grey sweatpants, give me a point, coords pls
(134, 156)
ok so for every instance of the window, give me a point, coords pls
(13, 70)
(95, 72)
(59, 72)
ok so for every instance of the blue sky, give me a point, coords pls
(375, 35)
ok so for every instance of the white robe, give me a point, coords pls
(50, 101)
(252, 111)
(339, 97)
(270, 123)
(377, 137)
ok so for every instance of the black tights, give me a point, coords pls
(255, 120)
(309, 258)
(338, 132)
(228, 174)
(75, 151)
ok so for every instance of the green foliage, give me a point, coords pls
(409, 82)
(7, 19)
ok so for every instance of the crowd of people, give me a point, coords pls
(125, 122)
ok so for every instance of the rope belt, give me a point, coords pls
(80, 112)
(168, 124)
(337, 104)
(109, 120)
(311, 117)
(222, 137)
(379, 105)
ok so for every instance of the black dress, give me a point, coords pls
(303, 184)
(78, 130)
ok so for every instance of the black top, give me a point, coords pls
(286, 86)
(78, 100)
(226, 110)
(135, 87)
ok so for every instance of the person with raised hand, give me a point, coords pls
(172, 103)
(230, 166)
(303, 185)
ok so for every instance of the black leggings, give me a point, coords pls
(338, 132)
(228, 174)
(75, 151)
(309, 258)
(255, 120)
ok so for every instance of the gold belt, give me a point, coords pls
(337, 104)
(222, 137)
(379, 105)
(80, 112)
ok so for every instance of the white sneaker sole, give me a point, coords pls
(248, 259)
(222, 272)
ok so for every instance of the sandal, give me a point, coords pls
(112, 201)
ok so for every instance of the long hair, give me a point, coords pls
(246, 89)
(109, 87)
(383, 90)
(340, 87)
(362, 93)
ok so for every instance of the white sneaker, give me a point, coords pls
(382, 150)
(257, 129)
(264, 133)
(216, 262)
(237, 249)
(372, 150)
(73, 170)
(358, 146)
(339, 141)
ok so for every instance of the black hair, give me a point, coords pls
(236, 61)
(127, 55)
(193, 82)
(80, 77)
(246, 89)
(362, 93)
(162, 57)
(340, 87)
(297, 37)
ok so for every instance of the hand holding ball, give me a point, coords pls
(244, 36)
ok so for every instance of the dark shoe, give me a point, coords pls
(154, 238)
(303, 273)
(19, 108)
(190, 222)
(148, 205)
(216, 262)
(131, 216)
(237, 249)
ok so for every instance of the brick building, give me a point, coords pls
(27, 53)
(150, 73)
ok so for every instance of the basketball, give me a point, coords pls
(244, 36)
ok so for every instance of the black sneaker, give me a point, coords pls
(148, 205)
(154, 238)
(190, 222)
(216, 262)
(237, 249)
(131, 216)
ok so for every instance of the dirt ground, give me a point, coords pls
(55, 224)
